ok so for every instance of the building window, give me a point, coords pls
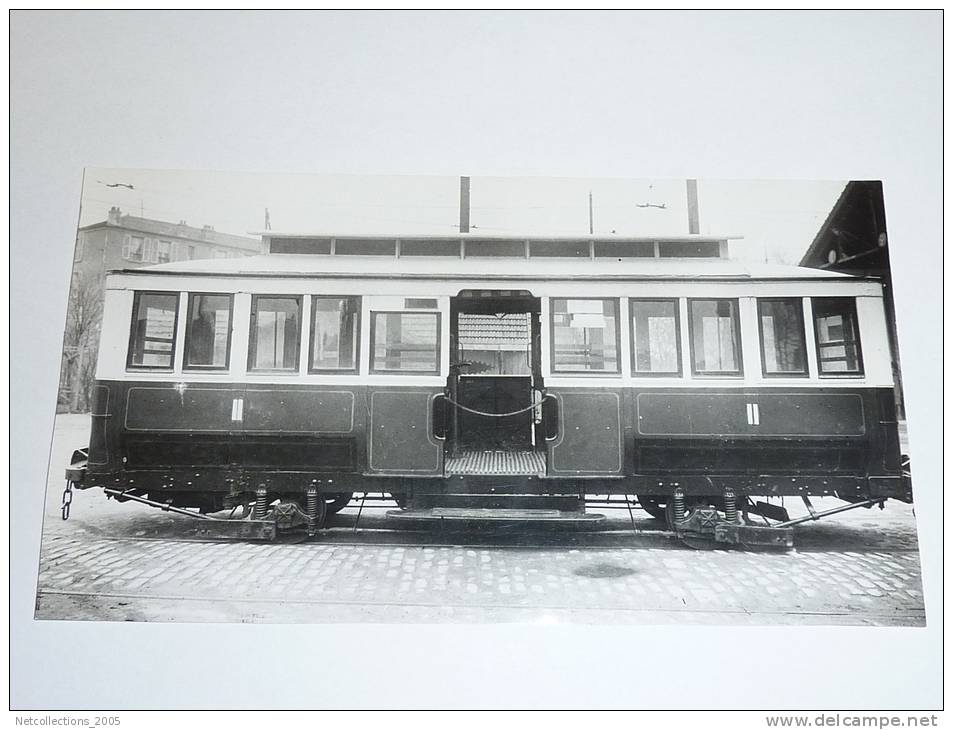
(655, 337)
(191, 253)
(164, 255)
(783, 351)
(152, 338)
(716, 341)
(585, 335)
(150, 252)
(133, 248)
(406, 341)
(275, 336)
(208, 331)
(334, 333)
(219, 254)
(837, 336)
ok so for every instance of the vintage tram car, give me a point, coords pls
(477, 377)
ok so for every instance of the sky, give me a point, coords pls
(776, 218)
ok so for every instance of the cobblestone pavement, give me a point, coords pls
(129, 562)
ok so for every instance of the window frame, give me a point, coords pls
(252, 351)
(799, 305)
(188, 332)
(636, 373)
(128, 253)
(859, 372)
(159, 244)
(357, 337)
(739, 350)
(552, 338)
(150, 251)
(372, 342)
(136, 299)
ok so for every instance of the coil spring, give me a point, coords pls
(731, 506)
(261, 504)
(678, 504)
(312, 506)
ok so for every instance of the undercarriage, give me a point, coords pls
(718, 517)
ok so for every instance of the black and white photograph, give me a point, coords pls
(411, 399)
(476, 360)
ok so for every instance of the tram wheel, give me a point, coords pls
(652, 504)
(336, 502)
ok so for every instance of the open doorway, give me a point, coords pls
(494, 381)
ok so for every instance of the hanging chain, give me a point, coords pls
(528, 408)
(67, 499)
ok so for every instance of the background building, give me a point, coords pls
(122, 242)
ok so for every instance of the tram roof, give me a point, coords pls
(304, 265)
(491, 236)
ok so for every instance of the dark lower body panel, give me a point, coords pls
(157, 438)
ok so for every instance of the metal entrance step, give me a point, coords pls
(452, 500)
(476, 514)
(497, 463)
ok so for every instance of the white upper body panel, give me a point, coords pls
(379, 279)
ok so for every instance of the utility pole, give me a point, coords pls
(590, 212)
(692, 189)
(464, 204)
(74, 378)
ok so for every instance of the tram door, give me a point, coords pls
(494, 370)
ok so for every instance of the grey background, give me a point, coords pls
(817, 95)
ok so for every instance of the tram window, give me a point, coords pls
(692, 249)
(623, 249)
(559, 249)
(429, 247)
(152, 339)
(300, 245)
(476, 248)
(275, 333)
(782, 337)
(334, 333)
(655, 340)
(208, 333)
(406, 341)
(716, 341)
(838, 340)
(365, 247)
(420, 303)
(585, 335)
